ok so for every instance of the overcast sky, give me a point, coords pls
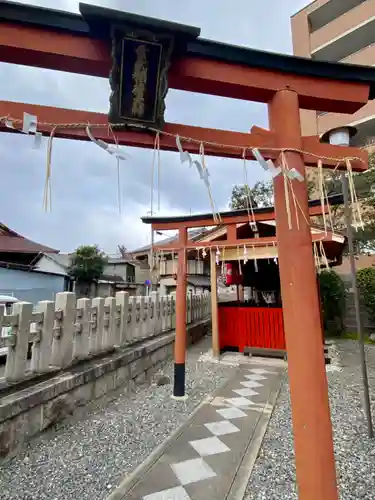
(84, 180)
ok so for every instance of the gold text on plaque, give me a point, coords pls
(139, 82)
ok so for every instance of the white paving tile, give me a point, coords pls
(209, 446)
(191, 471)
(173, 494)
(239, 402)
(255, 377)
(230, 413)
(261, 371)
(245, 392)
(222, 428)
(251, 384)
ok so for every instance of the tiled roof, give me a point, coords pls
(10, 241)
(193, 234)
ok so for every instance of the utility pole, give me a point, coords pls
(361, 339)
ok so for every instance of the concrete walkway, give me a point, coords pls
(211, 456)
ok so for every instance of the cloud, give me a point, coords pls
(84, 178)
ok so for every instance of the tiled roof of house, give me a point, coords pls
(12, 242)
(193, 234)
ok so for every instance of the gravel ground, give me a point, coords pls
(273, 476)
(86, 458)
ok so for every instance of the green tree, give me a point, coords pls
(261, 195)
(87, 265)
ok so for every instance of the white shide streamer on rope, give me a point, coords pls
(30, 123)
(217, 256)
(29, 126)
(118, 159)
(245, 256)
(202, 171)
(255, 260)
(116, 151)
(155, 168)
(223, 265)
(267, 165)
(239, 261)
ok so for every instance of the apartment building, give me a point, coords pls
(337, 30)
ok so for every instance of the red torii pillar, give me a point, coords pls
(312, 428)
(180, 339)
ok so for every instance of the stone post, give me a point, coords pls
(173, 310)
(110, 327)
(145, 314)
(140, 317)
(42, 348)
(15, 367)
(163, 312)
(122, 300)
(134, 318)
(97, 318)
(63, 338)
(157, 319)
(82, 329)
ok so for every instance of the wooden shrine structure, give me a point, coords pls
(142, 58)
(248, 242)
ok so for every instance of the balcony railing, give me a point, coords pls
(169, 267)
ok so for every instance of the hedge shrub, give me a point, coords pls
(366, 284)
(332, 296)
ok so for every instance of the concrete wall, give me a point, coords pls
(30, 286)
(26, 411)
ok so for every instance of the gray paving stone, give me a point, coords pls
(202, 462)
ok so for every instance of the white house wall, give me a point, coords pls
(48, 265)
(30, 286)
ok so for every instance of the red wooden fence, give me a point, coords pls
(251, 327)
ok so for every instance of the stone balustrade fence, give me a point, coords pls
(68, 330)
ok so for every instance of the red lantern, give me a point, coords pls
(232, 276)
(229, 274)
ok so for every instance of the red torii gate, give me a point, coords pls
(83, 44)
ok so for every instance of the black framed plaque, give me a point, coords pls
(139, 78)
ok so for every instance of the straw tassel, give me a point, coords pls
(47, 200)
(321, 192)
